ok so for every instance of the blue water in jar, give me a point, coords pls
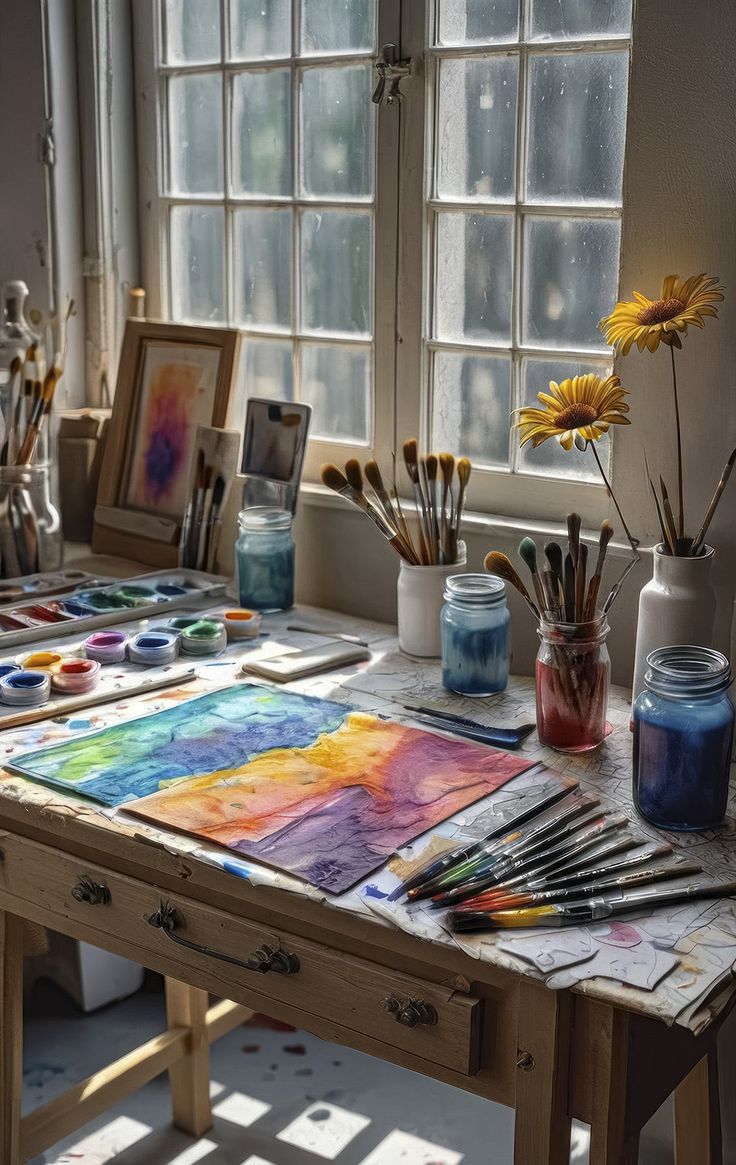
(683, 736)
(264, 554)
(474, 630)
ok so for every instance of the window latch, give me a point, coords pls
(390, 75)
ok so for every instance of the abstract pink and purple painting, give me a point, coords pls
(299, 783)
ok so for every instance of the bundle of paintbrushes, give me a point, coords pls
(565, 860)
(428, 532)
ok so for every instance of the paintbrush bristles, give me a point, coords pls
(354, 474)
(333, 477)
(495, 562)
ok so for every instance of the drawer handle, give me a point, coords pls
(410, 1012)
(93, 893)
(263, 960)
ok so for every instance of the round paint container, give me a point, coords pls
(106, 646)
(76, 676)
(36, 661)
(153, 647)
(136, 596)
(104, 601)
(181, 622)
(205, 637)
(7, 668)
(25, 688)
(171, 590)
(242, 624)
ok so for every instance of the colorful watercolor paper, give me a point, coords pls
(297, 782)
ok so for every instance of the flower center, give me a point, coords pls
(576, 416)
(660, 311)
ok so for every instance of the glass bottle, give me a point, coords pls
(683, 734)
(573, 675)
(474, 627)
(264, 553)
(16, 337)
(30, 527)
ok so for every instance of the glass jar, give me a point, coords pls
(683, 733)
(573, 675)
(264, 553)
(30, 528)
(474, 627)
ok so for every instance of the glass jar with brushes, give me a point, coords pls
(683, 735)
(30, 527)
(475, 635)
(264, 553)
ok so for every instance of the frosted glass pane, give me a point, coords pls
(339, 26)
(570, 280)
(268, 369)
(336, 382)
(262, 268)
(580, 18)
(477, 21)
(549, 459)
(195, 134)
(192, 31)
(577, 127)
(261, 133)
(336, 272)
(259, 28)
(476, 128)
(471, 406)
(197, 246)
(337, 131)
(473, 277)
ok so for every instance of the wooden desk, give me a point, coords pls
(500, 1034)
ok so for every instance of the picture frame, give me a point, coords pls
(171, 378)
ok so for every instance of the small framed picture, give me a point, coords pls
(171, 378)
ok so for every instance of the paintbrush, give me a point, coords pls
(593, 866)
(218, 492)
(354, 477)
(447, 469)
(593, 909)
(522, 730)
(463, 475)
(669, 517)
(495, 562)
(580, 578)
(594, 586)
(553, 554)
(59, 707)
(410, 450)
(394, 514)
(528, 554)
(14, 384)
(700, 536)
(335, 480)
(429, 464)
(41, 410)
(188, 542)
(569, 586)
(574, 522)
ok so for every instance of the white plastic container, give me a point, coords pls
(420, 593)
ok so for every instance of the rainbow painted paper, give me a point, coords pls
(299, 783)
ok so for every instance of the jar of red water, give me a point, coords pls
(573, 675)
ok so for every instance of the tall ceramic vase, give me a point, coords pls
(678, 605)
(420, 593)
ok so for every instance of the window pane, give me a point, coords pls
(336, 272)
(473, 277)
(550, 459)
(471, 406)
(268, 369)
(570, 280)
(262, 268)
(197, 245)
(477, 21)
(336, 383)
(476, 131)
(577, 127)
(195, 134)
(580, 18)
(192, 31)
(337, 131)
(259, 28)
(338, 26)
(261, 133)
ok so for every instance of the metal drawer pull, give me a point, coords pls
(410, 1012)
(94, 893)
(262, 960)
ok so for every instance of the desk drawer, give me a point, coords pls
(427, 1019)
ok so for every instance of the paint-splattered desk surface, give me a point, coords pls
(676, 964)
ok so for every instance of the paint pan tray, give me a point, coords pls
(35, 618)
(14, 591)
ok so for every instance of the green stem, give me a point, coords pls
(632, 542)
(680, 499)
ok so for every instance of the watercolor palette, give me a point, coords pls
(53, 582)
(92, 604)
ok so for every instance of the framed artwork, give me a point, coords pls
(171, 378)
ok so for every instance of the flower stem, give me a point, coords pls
(632, 541)
(680, 499)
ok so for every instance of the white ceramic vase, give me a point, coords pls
(678, 605)
(420, 593)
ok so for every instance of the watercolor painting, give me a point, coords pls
(297, 782)
(176, 393)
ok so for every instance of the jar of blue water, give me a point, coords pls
(474, 626)
(264, 553)
(683, 734)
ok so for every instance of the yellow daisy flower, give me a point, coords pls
(647, 321)
(583, 405)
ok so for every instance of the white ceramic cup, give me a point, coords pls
(420, 593)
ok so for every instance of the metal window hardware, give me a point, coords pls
(410, 1012)
(91, 892)
(263, 960)
(390, 72)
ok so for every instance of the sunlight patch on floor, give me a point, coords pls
(324, 1129)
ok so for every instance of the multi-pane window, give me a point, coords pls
(267, 191)
(527, 103)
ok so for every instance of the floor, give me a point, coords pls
(280, 1098)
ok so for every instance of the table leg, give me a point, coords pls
(542, 1124)
(612, 1140)
(698, 1115)
(11, 1036)
(190, 1076)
